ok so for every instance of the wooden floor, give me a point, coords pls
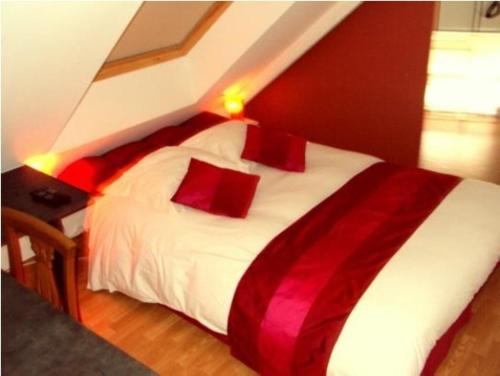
(462, 144)
(467, 146)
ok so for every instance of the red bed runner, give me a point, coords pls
(293, 301)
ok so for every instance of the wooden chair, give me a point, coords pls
(45, 240)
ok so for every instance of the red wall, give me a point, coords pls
(361, 87)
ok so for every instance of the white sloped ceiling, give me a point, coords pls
(139, 96)
(50, 54)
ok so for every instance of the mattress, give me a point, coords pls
(151, 249)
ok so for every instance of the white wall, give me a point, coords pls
(50, 53)
(466, 16)
(119, 102)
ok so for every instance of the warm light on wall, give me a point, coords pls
(44, 162)
(234, 103)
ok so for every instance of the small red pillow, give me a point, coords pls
(87, 173)
(275, 148)
(216, 190)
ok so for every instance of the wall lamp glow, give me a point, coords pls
(234, 103)
(45, 163)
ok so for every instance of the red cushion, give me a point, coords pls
(87, 173)
(216, 190)
(275, 148)
(126, 153)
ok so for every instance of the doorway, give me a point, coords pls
(461, 133)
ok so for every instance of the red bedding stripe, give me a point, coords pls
(293, 301)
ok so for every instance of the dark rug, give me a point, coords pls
(37, 339)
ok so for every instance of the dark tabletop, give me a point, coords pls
(39, 340)
(18, 183)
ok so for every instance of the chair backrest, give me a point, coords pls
(45, 240)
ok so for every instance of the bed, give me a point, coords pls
(147, 247)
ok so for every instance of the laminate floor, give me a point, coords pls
(462, 144)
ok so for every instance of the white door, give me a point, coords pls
(473, 16)
(489, 16)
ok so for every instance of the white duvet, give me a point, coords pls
(156, 251)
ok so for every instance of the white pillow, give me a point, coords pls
(226, 140)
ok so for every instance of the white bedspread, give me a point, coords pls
(156, 251)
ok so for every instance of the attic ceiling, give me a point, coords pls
(159, 25)
(65, 111)
(50, 53)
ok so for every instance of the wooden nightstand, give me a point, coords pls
(18, 183)
(16, 187)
